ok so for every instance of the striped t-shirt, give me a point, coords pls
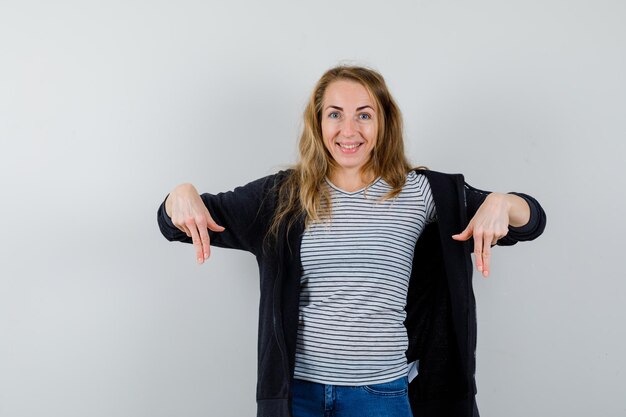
(356, 269)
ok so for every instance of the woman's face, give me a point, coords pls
(349, 124)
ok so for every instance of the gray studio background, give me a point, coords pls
(106, 106)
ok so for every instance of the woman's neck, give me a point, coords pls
(350, 181)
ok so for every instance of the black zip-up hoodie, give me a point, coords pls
(441, 310)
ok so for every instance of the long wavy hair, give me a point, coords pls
(304, 191)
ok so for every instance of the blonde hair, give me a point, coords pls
(303, 192)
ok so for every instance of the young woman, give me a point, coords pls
(364, 262)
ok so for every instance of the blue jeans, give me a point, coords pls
(389, 399)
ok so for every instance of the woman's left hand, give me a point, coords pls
(490, 223)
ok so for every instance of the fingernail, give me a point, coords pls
(199, 260)
(480, 268)
(206, 255)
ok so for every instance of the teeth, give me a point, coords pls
(349, 146)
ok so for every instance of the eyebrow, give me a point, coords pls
(357, 109)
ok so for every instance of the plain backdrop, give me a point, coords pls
(106, 106)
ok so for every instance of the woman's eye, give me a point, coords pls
(334, 115)
(364, 116)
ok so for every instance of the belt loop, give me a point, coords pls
(329, 399)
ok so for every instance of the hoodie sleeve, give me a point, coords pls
(243, 212)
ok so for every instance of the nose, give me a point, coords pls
(348, 128)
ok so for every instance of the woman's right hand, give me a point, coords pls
(189, 214)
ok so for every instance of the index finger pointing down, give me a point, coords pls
(197, 243)
(206, 242)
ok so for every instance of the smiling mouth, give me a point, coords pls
(349, 147)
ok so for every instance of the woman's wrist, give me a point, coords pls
(182, 188)
(518, 209)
